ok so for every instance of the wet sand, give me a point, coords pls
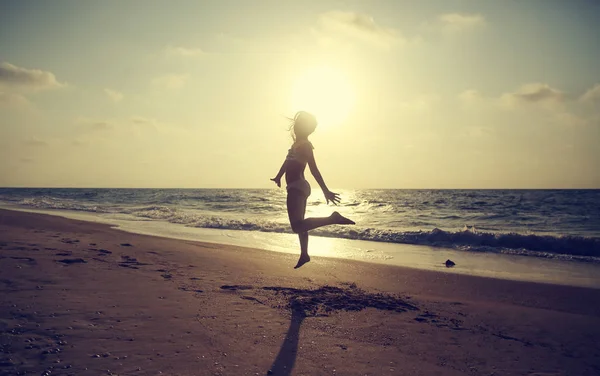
(79, 298)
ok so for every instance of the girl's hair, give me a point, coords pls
(304, 122)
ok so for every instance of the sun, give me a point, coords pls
(324, 92)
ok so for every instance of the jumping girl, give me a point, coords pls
(298, 189)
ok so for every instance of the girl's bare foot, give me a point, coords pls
(303, 260)
(339, 219)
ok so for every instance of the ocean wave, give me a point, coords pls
(52, 203)
(467, 239)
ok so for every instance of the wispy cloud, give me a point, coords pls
(457, 22)
(95, 124)
(114, 95)
(537, 99)
(420, 103)
(570, 119)
(136, 124)
(35, 142)
(13, 100)
(470, 96)
(592, 95)
(358, 26)
(142, 120)
(171, 81)
(184, 51)
(14, 77)
(535, 93)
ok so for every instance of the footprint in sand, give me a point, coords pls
(64, 254)
(191, 289)
(131, 262)
(72, 261)
(236, 287)
(69, 241)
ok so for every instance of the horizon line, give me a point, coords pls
(263, 188)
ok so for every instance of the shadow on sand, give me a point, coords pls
(320, 302)
(285, 360)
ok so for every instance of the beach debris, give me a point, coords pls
(449, 263)
(72, 261)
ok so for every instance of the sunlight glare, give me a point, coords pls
(326, 93)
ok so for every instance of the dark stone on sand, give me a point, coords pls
(72, 261)
(126, 245)
(449, 263)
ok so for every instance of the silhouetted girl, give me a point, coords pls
(298, 189)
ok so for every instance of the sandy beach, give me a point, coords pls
(80, 298)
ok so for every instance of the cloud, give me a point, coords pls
(136, 124)
(536, 99)
(184, 51)
(146, 122)
(171, 81)
(535, 93)
(470, 96)
(15, 77)
(478, 131)
(457, 22)
(420, 103)
(114, 95)
(94, 124)
(142, 120)
(359, 26)
(571, 120)
(35, 142)
(12, 100)
(592, 95)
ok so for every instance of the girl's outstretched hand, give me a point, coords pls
(333, 197)
(277, 181)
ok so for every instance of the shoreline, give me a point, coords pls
(484, 264)
(85, 299)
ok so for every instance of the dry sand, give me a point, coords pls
(80, 298)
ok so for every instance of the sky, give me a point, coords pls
(195, 94)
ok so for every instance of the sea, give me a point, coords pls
(558, 225)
